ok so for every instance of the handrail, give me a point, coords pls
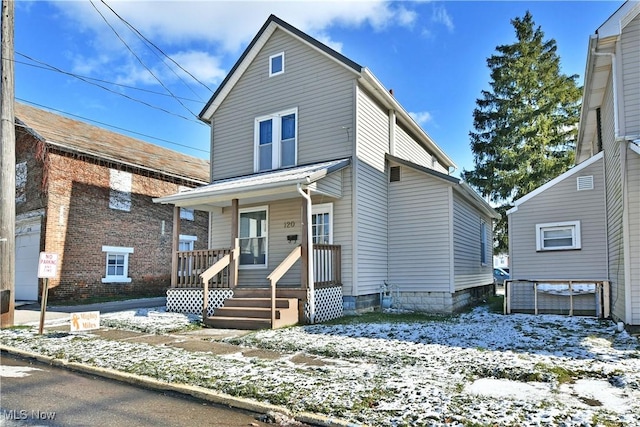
(216, 268)
(277, 274)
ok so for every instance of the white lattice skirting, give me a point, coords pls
(328, 302)
(190, 300)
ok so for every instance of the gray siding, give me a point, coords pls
(419, 237)
(468, 270)
(372, 142)
(561, 202)
(406, 147)
(630, 46)
(321, 89)
(614, 208)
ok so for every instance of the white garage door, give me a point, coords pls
(27, 254)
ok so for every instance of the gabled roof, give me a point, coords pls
(458, 185)
(365, 77)
(75, 136)
(555, 181)
(598, 70)
(276, 184)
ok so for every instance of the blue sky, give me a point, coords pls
(432, 54)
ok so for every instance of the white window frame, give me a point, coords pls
(321, 209)
(266, 238)
(573, 226)
(189, 241)
(276, 142)
(484, 242)
(271, 58)
(116, 250)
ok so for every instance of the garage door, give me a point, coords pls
(27, 254)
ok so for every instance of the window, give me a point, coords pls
(321, 227)
(186, 244)
(253, 237)
(117, 269)
(483, 243)
(186, 213)
(120, 194)
(558, 236)
(276, 141)
(276, 64)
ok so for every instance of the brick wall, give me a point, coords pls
(79, 222)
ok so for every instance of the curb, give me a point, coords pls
(189, 390)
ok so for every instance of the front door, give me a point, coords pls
(322, 234)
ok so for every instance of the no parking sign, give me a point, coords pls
(47, 265)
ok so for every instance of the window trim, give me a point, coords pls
(116, 250)
(271, 58)
(266, 238)
(574, 226)
(322, 208)
(276, 142)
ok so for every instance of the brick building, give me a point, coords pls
(85, 193)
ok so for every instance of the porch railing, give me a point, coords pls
(327, 265)
(277, 274)
(193, 263)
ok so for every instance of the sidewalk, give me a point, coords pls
(199, 340)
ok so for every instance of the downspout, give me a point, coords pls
(311, 287)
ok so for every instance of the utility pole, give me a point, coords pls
(7, 167)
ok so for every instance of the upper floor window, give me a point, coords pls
(276, 64)
(276, 141)
(558, 236)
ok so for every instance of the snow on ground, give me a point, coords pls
(478, 368)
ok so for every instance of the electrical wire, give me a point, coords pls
(159, 50)
(108, 125)
(47, 67)
(140, 60)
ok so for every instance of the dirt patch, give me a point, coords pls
(116, 334)
(303, 359)
(206, 346)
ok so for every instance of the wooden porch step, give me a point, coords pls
(253, 313)
(249, 292)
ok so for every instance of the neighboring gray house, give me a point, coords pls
(603, 224)
(308, 148)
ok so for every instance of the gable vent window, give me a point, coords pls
(394, 175)
(276, 64)
(585, 183)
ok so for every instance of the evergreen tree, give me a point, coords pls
(526, 126)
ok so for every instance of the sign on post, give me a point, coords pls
(47, 268)
(47, 265)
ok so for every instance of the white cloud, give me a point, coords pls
(440, 15)
(422, 118)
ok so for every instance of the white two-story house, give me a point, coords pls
(323, 185)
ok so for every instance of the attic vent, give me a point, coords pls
(585, 183)
(394, 175)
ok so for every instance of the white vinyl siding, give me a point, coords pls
(321, 90)
(469, 271)
(551, 206)
(633, 191)
(419, 239)
(371, 195)
(629, 42)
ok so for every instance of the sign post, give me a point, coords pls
(47, 268)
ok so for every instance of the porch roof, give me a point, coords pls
(255, 188)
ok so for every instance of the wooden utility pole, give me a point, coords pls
(7, 168)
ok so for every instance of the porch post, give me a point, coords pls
(175, 242)
(233, 265)
(304, 245)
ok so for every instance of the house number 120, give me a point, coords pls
(289, 224)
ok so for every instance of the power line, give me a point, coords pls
(47, 67)
(111, 126)
(121, 94)
(160, 50)
(140, 60)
